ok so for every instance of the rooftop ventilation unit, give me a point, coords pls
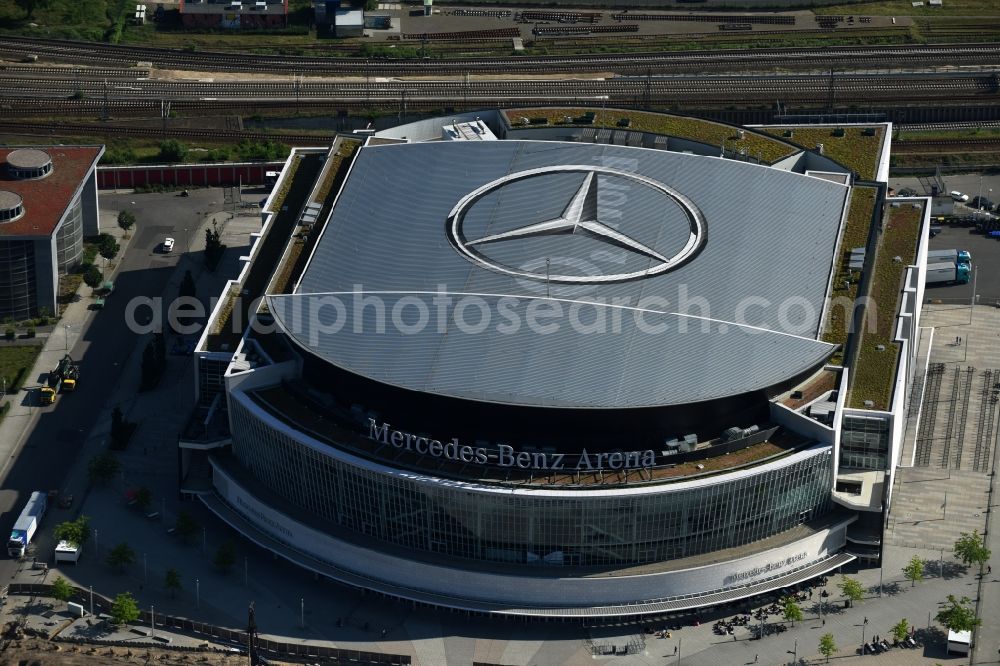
(11, 206)
(26, 163)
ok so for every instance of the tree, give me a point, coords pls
(172, 150)
(126, 220)
(957, 615)
(119, 429)
(900, 630)
(149, 368)
(851, 589)
(225, 557)
(75, 532)
(187, 287)
(172, 581)
(93, 276)
(793, 612)
(826, 646)
(914, 570)
(970, 549)
(61, 589)
(124, 609)
(102, 468)
(29, 6)
(214, 248)
(143, 497)
(121, 556)
(186, 526)
(109, 248)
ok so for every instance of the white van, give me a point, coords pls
(958, 196)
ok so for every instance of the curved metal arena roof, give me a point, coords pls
(568, 275)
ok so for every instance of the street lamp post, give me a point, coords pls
(302, 612)
(66, 328)
(197, 592)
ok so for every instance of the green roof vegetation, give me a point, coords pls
(848, 146)
(855, 234)
(695, 129)
(873, 372)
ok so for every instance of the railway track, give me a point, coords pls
(214, 135)
(651, 89)
(857, 57)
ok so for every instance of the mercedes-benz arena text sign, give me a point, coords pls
(580, 216)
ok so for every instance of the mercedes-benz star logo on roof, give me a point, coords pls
(580, 217)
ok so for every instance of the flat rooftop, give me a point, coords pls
(46, 199)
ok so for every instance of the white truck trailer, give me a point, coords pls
(958, 256)
(947, 273)
(27, 524)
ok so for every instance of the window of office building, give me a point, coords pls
(864, 443)
(69, 238)
(17, 279)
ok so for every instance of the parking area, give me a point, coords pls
(955, 234)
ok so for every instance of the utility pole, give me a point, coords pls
(104, 113)
(829, 104)
(253, 660)
(647, 93)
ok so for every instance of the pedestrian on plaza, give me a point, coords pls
(989, 569)
(866, 619)
(675, 649)
(755, 658)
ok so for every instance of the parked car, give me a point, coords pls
(981, 203)
(935, 231)
(168, 244)
(958, 196)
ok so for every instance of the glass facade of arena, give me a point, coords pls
(864, 442)
(584, 529)
(17, 279)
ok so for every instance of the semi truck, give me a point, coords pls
(62, 378)
(958, 256)
(27, 524)
(947, 273)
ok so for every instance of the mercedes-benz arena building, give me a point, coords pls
(537, 378)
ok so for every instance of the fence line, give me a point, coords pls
(236, 637)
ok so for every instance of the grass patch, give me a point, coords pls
(906, 8)
(931, 135)
(873, 372)
(16, 362)
(859, 218)
(346, 149)
(336, 171)
(853, 150)
(704, 131)
(278, 200)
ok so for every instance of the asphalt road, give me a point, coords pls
(50, 449)
(985, 253)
